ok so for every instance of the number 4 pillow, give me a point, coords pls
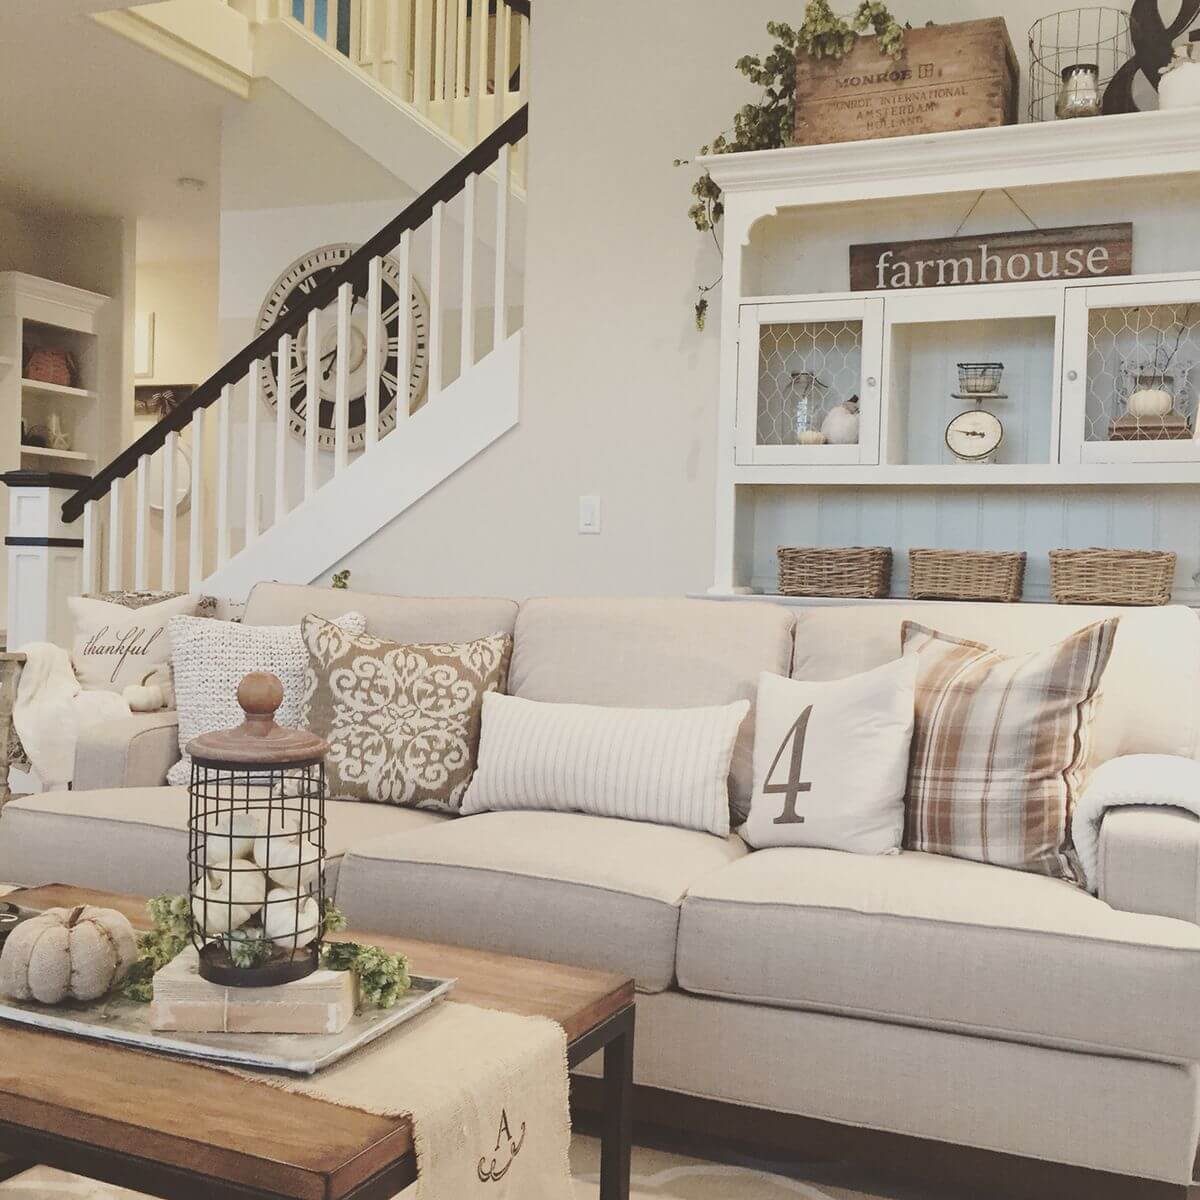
(831, 760)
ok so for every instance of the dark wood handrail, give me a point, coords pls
(353, 271)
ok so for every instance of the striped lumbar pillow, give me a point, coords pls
(669, 766)
(1000, 747)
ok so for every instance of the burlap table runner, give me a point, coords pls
(487, 1093)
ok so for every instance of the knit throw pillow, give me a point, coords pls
(1000, 747)
(402, 720)
(210, 658)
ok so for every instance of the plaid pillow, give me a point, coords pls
(1000, 747)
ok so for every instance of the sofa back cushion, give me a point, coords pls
(653, 653)
(1150, 694)
(398, 618)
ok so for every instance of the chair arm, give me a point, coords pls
(135, 751)
(1150, 861)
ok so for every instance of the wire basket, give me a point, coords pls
(979, 378)
(1063, 39)
(857, 571)
(1099, 576)
(966, 575)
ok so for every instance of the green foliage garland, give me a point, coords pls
(382, 977)
(768, 123)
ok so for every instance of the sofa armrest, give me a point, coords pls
(135, 751)
(1149, 861)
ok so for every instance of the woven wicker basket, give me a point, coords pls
(1112, 576)
(966, 575)
(840, 571)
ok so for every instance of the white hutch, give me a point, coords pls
(1060, 478)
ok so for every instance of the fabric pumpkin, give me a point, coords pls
(67, 954)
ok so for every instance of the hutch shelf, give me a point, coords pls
(1101, 382)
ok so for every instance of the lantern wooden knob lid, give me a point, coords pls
(258, 740)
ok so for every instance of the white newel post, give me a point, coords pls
(45, 557)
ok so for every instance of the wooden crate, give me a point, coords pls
(959, 76)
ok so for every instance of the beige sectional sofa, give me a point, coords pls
(913, 994)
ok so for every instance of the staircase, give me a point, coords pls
(397, 410)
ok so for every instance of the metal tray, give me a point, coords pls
(126, 1023)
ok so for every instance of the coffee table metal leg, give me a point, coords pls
(616, 1144)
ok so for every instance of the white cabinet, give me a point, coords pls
(1131, 372)
(798, 362)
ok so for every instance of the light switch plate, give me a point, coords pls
(589, 514)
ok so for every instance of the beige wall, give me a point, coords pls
(620, 390)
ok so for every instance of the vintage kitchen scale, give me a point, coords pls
(976, 434)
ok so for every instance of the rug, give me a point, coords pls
(657, 1175)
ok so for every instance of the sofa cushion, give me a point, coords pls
(939, 942)
(563, 887)
(1151, 690)
(134, 839)
(401, 618)
(646, 653)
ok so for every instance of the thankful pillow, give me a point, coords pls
(401, 720)
(831, 761)
(114, 645)
(1000, 747)
(665, 765)
(210, 658)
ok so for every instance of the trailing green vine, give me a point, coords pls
(767, 123)
(383, 978)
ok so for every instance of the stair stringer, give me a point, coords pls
(420, 454)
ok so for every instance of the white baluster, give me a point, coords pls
(399, 16)
(479, 37)
(116, 538)
(196, 518)
(503, 184)
(312, 401)
(379, 16)
(283, 413)
(253, 389)
(463, 55)
(223, 473)
(422, 55)
(141, 537)
(331, 23)
(374, 356)
(467, 349)
(523, 60)
(435, 301)
(310, 15)
(439, 50)
(341, 391)
(88, 568)
(404, 328)
(503, 33)
(169, 511)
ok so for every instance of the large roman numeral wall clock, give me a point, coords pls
(307, 273)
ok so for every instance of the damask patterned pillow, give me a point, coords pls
(402, 720)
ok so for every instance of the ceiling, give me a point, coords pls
(94, 124)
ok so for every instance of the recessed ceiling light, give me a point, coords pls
(189, 183)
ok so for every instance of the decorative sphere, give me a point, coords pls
(260, 693)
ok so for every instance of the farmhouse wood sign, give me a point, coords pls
(1076, 252)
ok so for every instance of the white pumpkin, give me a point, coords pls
(290, 919)
(67, 954)
(228, 896)
(810, 437)
(242, 825)
(295, 861)
(144, 697)
(1150, 402)
(284, 829)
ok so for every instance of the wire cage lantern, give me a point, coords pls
(1094, 38)
(256, 845)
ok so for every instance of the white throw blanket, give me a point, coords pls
(51, 709)
(1166, 780)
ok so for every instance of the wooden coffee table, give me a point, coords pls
(182, 1130)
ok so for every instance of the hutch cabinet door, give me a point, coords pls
(809, 382)
(1131, 372)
